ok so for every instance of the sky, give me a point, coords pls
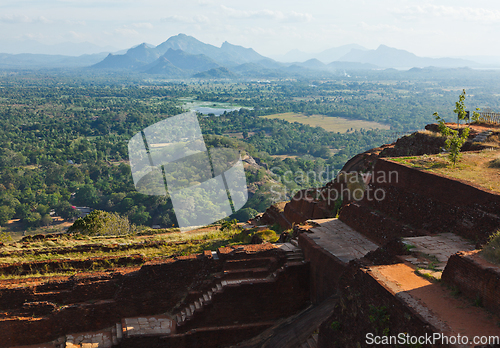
(428, 28)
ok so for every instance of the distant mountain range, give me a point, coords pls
(183, 56)
(387, 57)
(327, 56)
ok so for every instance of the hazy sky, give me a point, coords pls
(424, 27)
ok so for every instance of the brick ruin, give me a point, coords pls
(200, 295)
(261, 295)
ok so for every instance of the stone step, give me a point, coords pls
(101, 339)
(482, 137)
(246, 272)
(295, 257)
(235, 281)
(312, 342)
(114, 339)
(248, 264)
(119, 331)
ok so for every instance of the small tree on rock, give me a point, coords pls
(454, 138)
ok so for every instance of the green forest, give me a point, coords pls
(63, 140)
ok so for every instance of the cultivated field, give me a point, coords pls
(331, 124)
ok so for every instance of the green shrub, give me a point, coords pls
(101, 223)
(495, 163)
(245, 214)
(491, 251)
(245, 236)
(228, 225)
(268, 236)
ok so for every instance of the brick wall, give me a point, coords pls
(475, 278)
(325, 269)
(366, 306)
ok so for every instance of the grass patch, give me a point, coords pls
(491, 251)
(480, 168)
(456, 292)
(408, 247)
(68, 248)
(331, 124)
(425, 275)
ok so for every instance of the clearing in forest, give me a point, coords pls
(331, 124)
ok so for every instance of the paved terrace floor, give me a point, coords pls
(340, 240)
(450, 314)
(431, 253)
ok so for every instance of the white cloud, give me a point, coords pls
(267, 14)
(449, 12)
(126, 32)
(198, 19)
(34, 36)
(143, 25)
(44, 20)
(300, 17)
(252, 14)
(77, 36)
(381, 27)
(74, 22)
(201, 19)
(259, 31)
(15, 19)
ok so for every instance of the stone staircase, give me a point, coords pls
(258, 275)
(481, 137)
(237, 273)
(312, 342)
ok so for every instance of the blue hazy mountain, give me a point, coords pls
(326, 56)
(118, 62)
(184, 56)
(163, 66)
(143, 53)
(193, 62)
(227, 54)
(389, 57)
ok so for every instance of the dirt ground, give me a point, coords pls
(456, 311)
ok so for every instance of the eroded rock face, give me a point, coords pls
(260, 282)
(416, 144)
(397, 200)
